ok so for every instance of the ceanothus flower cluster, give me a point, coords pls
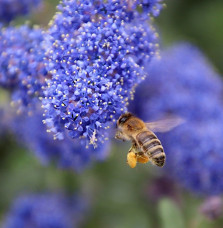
(146, 7)
(194, 156)
(10, 9)
(67, 153)
(190, 76)
(193, 91)
(96, 55)
(46, 210)
(22, 70)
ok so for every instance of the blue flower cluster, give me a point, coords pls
(194, 155)
(67, 153)
(10, 9)
(147, 7)
(193, 91)
(190, 76)
(46, 211)
(22, 70)
(96, 55)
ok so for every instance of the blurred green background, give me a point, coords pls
(119, 196)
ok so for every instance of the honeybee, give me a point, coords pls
(145, 144)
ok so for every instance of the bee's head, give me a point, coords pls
(123, 118)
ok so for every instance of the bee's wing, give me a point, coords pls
(166, 124)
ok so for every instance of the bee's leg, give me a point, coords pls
(133, 148)
(141, 157)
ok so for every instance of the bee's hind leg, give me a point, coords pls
(141, 157)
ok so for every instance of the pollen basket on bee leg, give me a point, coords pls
(131, 159)
(142, 158)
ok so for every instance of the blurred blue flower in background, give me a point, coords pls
(183, 83)
(212, 207)
(96, 56)
(10, 9)
(22, 71)
(193, 90)
(46, 211)
(194, 156)
(67, 153)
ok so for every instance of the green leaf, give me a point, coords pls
(170, 214)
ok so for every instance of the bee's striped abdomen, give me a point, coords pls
(151, 145)
(144, 137)
(159, 159)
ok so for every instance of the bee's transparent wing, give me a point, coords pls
(165, 124)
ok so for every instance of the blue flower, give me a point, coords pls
(183, 83)
(211, 208)
(128, 10)
(72, 14)
(22, 70)
(10, 9)
(67, 153)
(46, 211)
(96, 59)
(147, 7)
(194, 156)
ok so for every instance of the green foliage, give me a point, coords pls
(199, 22)
(170, 214)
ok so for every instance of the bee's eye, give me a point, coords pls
(123, 119)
